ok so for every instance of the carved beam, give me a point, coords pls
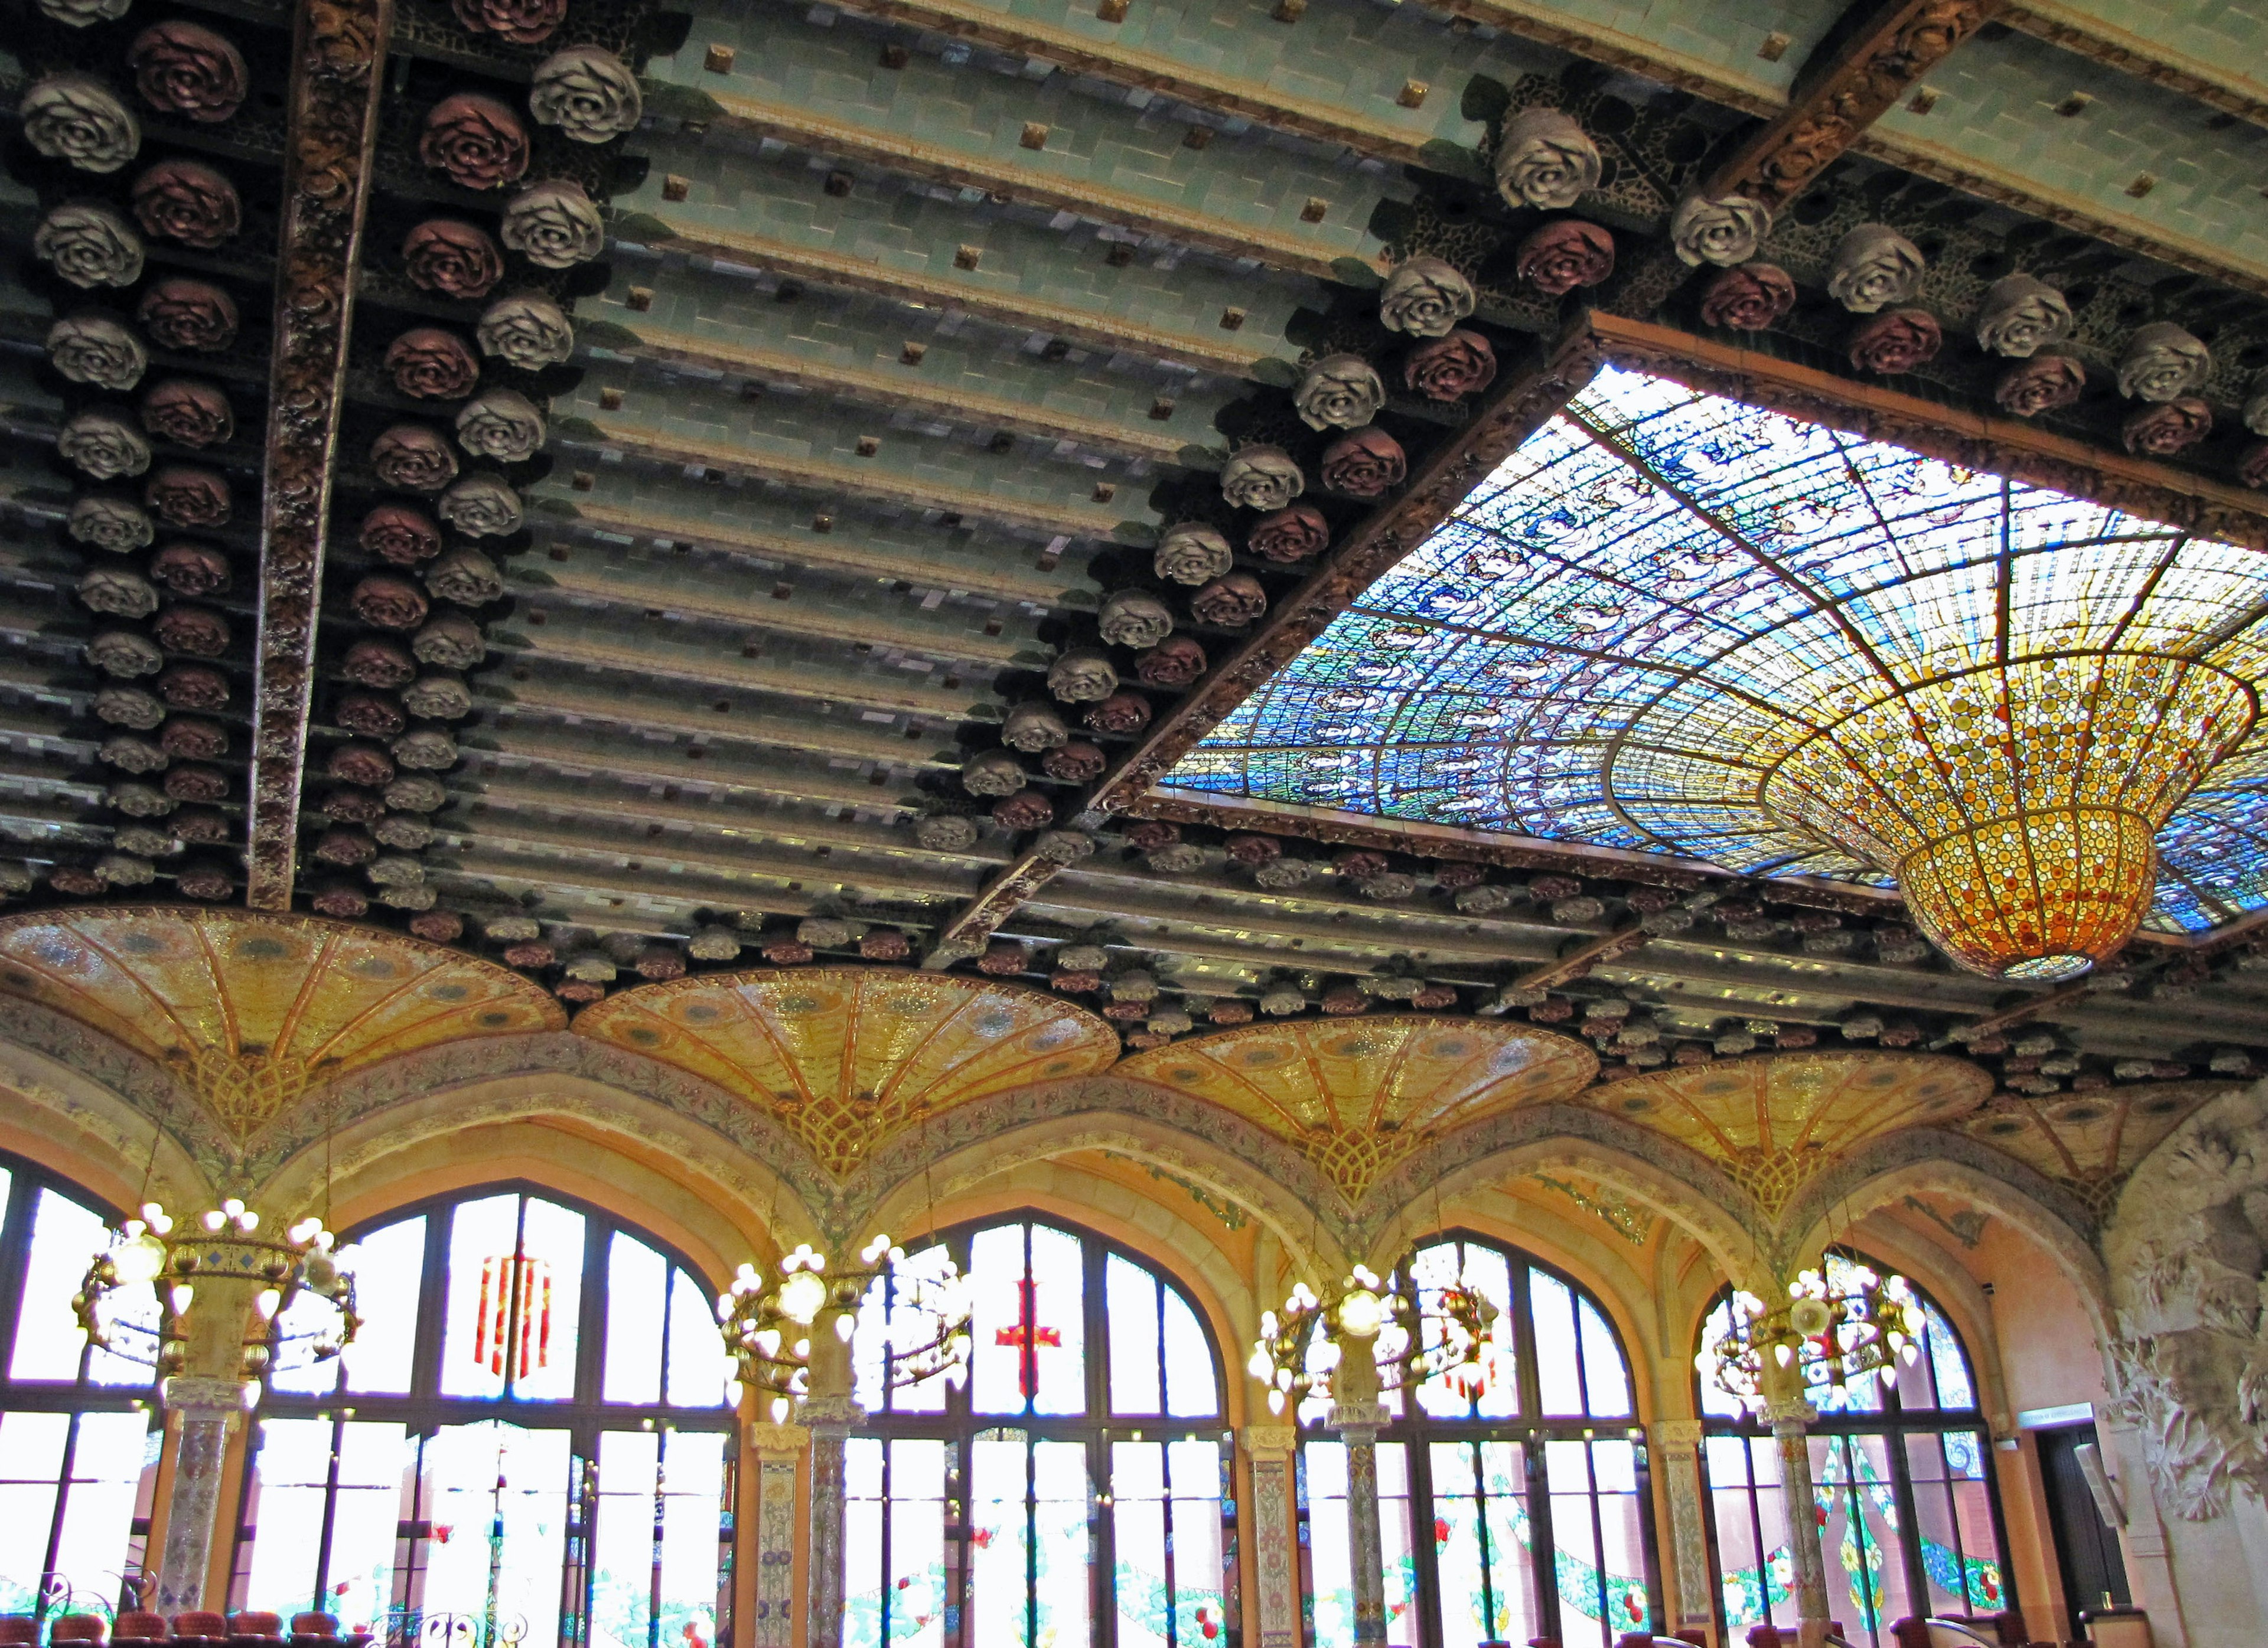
(1529, 398)
(2228, 87)
(1582, 959)
(1845, 87)
(332, 129)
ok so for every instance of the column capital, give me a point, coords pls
(831, 1416)
(767, 1437)
(203, 1397)
(1359, 1421)
(1793, 1411)
(1682, 1434)
(1269, 1439)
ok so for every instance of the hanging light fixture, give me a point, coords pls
(223, 1249)
(1842, 1325)
(1449, 1331)
(767, 1329)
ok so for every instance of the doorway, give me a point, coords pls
(2093, 1571)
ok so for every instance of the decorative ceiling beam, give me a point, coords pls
(1606, 947)
(1883, 48)
(331, 125)
(1528, 398)
(2219, 86)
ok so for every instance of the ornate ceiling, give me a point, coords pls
(739, 484)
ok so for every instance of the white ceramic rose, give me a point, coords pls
(89, 246)
(946, 832)
(1719, 231)
(554, 225)
(1261, 478)
(1874, 269)
(2021, 316)
(481, 506)
(2255, 406)
(1082, 675)
(1425, 297)
(1544, 160)
(993, 772)
(501, 423)
(84, 13)
(1192, 555)
(1340, 391)
(588, 93)
(1135, 618)
(96, 350)
(1033, 728)
(103, 444)
(110, 523)
(530, 332)
(2163, 363)
(76, 118)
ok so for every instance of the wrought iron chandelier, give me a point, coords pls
(767, 1329)
(1842, 1325)
(224, 1248)
(1448, 1331)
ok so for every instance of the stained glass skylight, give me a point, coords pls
(1673, 624)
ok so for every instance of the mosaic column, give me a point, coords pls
(1359, 1418)
(1675, 1446)
(1274, 1559)
(831, 1414)
(1791, 1421)
(207, 1411)
(779, 1450)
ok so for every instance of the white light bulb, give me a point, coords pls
(780, 1409)
(183, 1296)
(843, 1328)
(1276, 1402)
(232, 1207)
(212, 1219)
(268, 1301)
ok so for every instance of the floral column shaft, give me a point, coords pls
(208, 1409)
(1791, 1419)
(831, 1415)
(1359, 1418)
(779, 1448)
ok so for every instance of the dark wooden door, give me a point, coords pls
(2087, 1548)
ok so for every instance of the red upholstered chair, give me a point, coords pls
(313, 1631)
(136, 1628)
(78, 1628)
(255, 1630)
(200, 1627)
(17, 1628)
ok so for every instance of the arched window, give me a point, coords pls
(1903, 1480)
(1520, 1512)
(528, 1441)
(77, 1452)
(1077, 1491)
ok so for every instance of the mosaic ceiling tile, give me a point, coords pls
(1774, 1120)
(845, 1056)
(1669, 621)
(253, 1009)
(1359, 1096)
(2090, 1141)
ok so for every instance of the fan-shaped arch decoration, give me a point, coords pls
(845, 1055)
(1359, 1096)
(1774, 1120)
(1673, 623)
(2091, 1142)
(253, 1009)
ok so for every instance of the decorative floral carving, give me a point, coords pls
(1261, 478)
(191, 569)
(1450, 367)
(352, 807)
(188, 497)
(414, 458)
(2166, 428)
(186, 68)
(89, 246)
(1544, 159)
(118, 591)
(2162, 362)
(373, 662)
(1081, 676)
(1367, 464)
(76, 118)
(2252, 467)
(193, 687)
(1190, 554)
(84, 13)
(1897, 340)
(209, 880)
(1748, 298)
(389, 602)
(477, 142)
(522, 22)
(530, 332)
(189, 315)
(115, 524)
(427, 749)
(946, 832)
(192, 738)
(1173, 662)
(2040, 385)
(138, 800)
(503, 424)
(430, 363)
(418, 794)
(465, 576)
(455, 259)
(481, 506)
(101, 443)
(189, 201)
(554, 225)
(196, 781)
(1291, 534)
(1874, 267)
(405, 831)
(1034, 727)
(450, 641)
(1026, 810)
(373, 715)
(1077, 762)
(93, 349)
(439, 696)
(587, 93)
(1721, 232)
(1232, 601)
(1121, 715)
(1564, 255)
(132, 755)
(1339, 390)
(1425, 297)
(199, 631)
(397, 534)
(993, 772)
(186, 410)
(2021, 316)
(1134, 618)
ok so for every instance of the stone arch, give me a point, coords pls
(90, 1108)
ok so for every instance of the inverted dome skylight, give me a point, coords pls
(1673, 623)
